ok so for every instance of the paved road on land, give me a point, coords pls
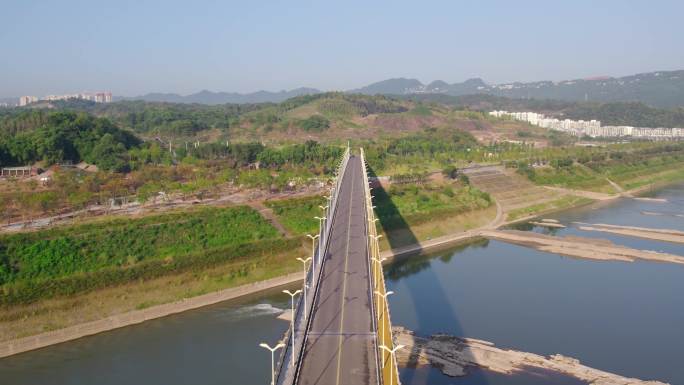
(340, 345)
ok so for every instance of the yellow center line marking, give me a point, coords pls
(344, 281)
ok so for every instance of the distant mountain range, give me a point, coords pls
(209, 97)
(660, 89)
(663, 89)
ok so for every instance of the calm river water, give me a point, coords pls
(622, 317)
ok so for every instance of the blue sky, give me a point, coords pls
(135, 47)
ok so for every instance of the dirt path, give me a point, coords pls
(499, 218)
(583, 193)
(270, 216)
(616, 186)
(175, 202)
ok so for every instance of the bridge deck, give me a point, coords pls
(340, 346)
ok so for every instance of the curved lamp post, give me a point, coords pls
(304, 261)
(382, 324)
(313, 251)
(377, 269)
(272, 349)
(325, 210)
(292, 295)
(391, 352)
(375, 250)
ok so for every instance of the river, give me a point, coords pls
(621, 317)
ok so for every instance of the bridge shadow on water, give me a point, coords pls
(425, 296)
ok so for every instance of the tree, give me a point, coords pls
(109, 154)
(450, 171)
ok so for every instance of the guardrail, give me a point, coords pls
(286, 372)
(388, 364)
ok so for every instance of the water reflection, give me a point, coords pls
(615, 316)
(399, 234)
(412, 264)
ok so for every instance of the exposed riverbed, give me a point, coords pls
(668, 215)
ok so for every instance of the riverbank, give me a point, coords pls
(38, 341)
(28, 321)
(454, 355)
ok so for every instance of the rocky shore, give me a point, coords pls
(579, 247)
(453, 356)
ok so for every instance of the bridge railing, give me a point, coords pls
(286, 372)
(387, 361)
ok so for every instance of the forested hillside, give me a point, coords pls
(611, 114)
(58, 137)
(663, 89)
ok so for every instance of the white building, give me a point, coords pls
(98, 97)
(592, 128)
(26, 100)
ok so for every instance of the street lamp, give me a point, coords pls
(313, 250)
(292, 295)
(320, 231)
(304, 261)
(382, 326)
(377, 269)
(325, 209)
(374, 238)
(272, 349)
(391, 352)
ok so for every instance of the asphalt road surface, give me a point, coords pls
(340, 346)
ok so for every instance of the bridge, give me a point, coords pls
(341, 330)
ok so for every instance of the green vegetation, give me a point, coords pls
(610, 113)
(573, 176)
(554, 205)
(297, 214)
(198, 171)
(590, 169)
(627, 114)
(421, 110)
(413, 204)
(415, 152)
(67, 260)
(63, 137)
(167, 119)
(316, 123)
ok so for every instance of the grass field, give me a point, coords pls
(628, 175)
(576, 177)
(415, 204)
(561, 203)
(297, 214)
(412, 213)
(72, 259)
(663, 173)
(55, 313)
(438, 226)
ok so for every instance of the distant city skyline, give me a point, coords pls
(134, 48)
